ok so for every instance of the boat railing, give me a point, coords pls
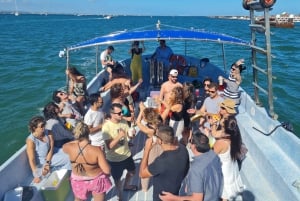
(253, 7)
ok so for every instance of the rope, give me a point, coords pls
(285, 125)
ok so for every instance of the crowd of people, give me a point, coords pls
(75, 133)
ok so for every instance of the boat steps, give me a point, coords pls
(274, 172)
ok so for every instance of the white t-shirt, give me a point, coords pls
(94, 119)
(105, 57)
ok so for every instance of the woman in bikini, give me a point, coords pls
(173, 112)
(77, 86)
(90, 169)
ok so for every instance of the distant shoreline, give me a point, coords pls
(229, 17)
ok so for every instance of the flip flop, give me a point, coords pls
(131, 188)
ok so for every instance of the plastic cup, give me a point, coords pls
(220, 78)
(131, 131)
(197, 92)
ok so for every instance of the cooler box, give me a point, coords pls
(150, 102)
(57, 186)
(154, 94)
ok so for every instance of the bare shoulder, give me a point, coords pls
(178, 84)
(29, 141)
(164, 84)
(220, 146)
(70, 145)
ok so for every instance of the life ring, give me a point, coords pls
(267, 3)
(245, 4)
(178, 62)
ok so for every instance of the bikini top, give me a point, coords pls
(151, 127)
(79, 166)
(136, 51)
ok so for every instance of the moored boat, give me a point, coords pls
(271, 168)
(108, 17)
(280, 21)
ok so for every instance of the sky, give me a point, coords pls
(143, 7)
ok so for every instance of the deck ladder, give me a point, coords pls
(266, 51)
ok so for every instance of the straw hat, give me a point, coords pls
(229, 106)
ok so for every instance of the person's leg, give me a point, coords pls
(119, 188)
(60, 160)
(128, 178)
(79, 189)
(140, 72)
(145, 184)
(80, 101)
(135, 72)
(130, 167)
(116, 172)
(99, 186)
(98, 196)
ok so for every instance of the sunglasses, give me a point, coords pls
(118, 113)
(174, 76)
(42, 126)
(233, 69)
(62, 93)
(212, 91)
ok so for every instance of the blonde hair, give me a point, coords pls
(152, 117)
(81, 131)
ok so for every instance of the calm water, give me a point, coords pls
(31, 69)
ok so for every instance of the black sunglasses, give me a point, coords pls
(118, 113)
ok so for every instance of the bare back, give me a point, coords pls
(87, 160)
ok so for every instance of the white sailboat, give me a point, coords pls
(16, 9)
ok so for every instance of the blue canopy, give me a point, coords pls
(147, 35)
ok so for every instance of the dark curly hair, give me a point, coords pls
(231, 128)
(50, 111)
(34, 122)
(116, 90)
